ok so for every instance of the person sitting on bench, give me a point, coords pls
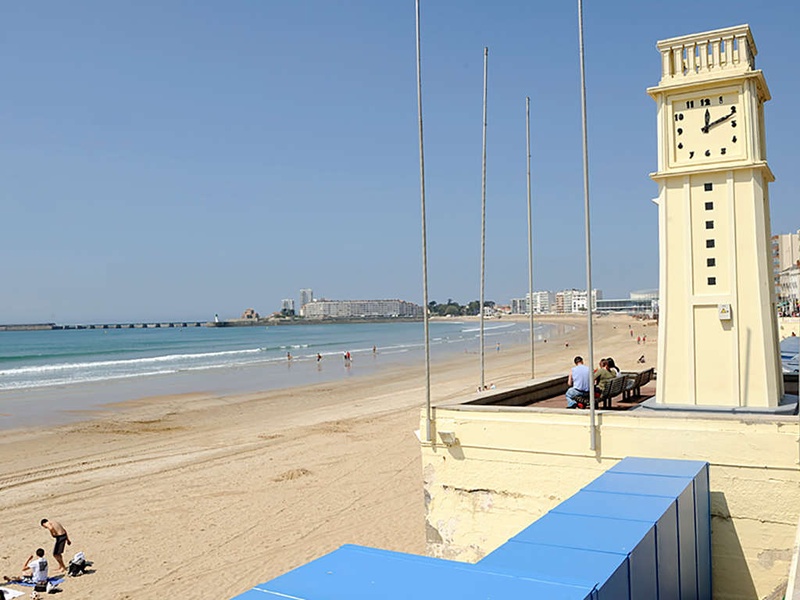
(579, 382)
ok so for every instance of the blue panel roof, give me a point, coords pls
(616, 505)
(357, 573)
(659, 466)
(643, 485)
(566, 564)
(586, 532)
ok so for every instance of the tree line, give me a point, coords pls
(454, 309)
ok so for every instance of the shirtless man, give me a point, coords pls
(60, 534)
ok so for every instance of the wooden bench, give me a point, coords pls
(611, 388)
(635, 381)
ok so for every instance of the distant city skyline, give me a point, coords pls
(173, 161)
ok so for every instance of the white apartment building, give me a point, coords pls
(563, 302)
(785, 255)
(542, 302)
(306, 296)
(287, 304)
(789, 291)
(519, 306)
(575, 301)
(354, 309)
(785, 250)
(579, 300)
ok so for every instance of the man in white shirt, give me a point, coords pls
(35, 569)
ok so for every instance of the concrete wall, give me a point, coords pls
(511, 465)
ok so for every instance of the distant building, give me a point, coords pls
(541, 302)
(575, 301)
(249, 313)
(629, 306)
(645, 295)
(355, 309)
(789, 292)
(564, 301)
(306, 296)
(642, 302)
(785, 250)
(287, 305)
(519, 306)
(580, 300)
(785, 255)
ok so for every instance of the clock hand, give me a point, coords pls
(708, 118)
(718, 121)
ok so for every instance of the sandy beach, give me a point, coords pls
(201, 496)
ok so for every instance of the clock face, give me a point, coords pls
(706, 128)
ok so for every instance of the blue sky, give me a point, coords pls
(166, 160)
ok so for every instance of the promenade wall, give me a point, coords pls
(508, 466)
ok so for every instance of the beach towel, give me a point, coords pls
(54, 581)
(11, 593)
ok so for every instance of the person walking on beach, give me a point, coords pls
(319, 357)
(578, 382)
(61, 536)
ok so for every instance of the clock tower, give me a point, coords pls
(718, 340)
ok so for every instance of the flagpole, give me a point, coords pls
(428, 416)
(592, 426)
(483, 211)
(530, 227)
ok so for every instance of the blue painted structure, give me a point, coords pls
(642, 530)
(697, 471)
(358, 573)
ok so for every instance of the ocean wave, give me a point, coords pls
(20, 385)
(132, 362)
(491, 327)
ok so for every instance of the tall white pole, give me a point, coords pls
(428, 416)
(530, 227)
(590, 352)
(483, 209)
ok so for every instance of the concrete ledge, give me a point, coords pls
(787, 406)
(524, 394)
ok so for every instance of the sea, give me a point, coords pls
(52, 376)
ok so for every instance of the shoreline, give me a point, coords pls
(207, 495)
(53, 403)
